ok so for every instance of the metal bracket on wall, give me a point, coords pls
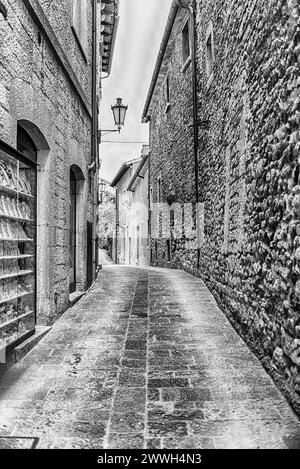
(203, 124)
(3, 10)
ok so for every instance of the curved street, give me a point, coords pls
(145, 360)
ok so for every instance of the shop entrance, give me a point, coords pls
(25, 145)
(138, 245)
(73, 210)
(89, 240)
(17, 242)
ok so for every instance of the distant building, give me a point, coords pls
(123, 207)
(138, 239)
(131, 234)
(223, 107)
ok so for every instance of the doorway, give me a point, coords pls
(73, 210)
(26, 145)
(89, 239)
(138, 245)
(130, 251)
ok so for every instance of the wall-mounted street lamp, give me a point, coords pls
(119, 112)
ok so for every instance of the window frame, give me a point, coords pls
(81, 33)
(186, 40)
(167, 93)
(209, 54)
(159, 189)
(151, 197)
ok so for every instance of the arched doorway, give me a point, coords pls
(26, 145)
(73, 220)
(32, 143)
(77, 231)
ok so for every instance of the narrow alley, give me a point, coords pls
(145, 360)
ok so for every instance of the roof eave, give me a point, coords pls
(123, 170)
(110, 33)
(137, 172)
(160, 57)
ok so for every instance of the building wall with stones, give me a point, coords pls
(45, 87)
(248, 80)
(123, 209)
(171, 144)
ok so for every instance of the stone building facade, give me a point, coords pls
(234, 150)
(138, 226)
(123, 207)
(48, 90)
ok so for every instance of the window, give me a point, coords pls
(80, 24)
(168, 250)
(151, 197)
(91, 184)
(168, 89)
(158, 190)
(185, 43)
(167, 94)
(209, 53)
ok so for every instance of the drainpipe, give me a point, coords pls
(117, 225)
(149, 209)
(191, 6)
(94, 155)
(94, 86)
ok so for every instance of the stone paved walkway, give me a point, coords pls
(145, 360)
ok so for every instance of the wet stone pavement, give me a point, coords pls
(145, 360)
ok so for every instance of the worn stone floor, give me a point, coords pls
(145, 360)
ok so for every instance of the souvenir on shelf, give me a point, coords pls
(17, 249)
(4, 178)
(10, 177)
(24, 184)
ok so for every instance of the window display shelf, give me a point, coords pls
(12, 217)
(16, 274)
(15, 297)
(17, 318)
(17, 256)
(11, 191)
(17, 243)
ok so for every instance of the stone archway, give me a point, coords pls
(77, 229)
(45, 301)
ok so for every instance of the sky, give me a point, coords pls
(141, 27)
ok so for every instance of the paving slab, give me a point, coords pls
(145, 360)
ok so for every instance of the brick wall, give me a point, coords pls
(248, 171)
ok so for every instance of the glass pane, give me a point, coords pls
(17, 249)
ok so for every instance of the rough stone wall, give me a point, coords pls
(171, 143)
(34, 89)
(248, 173)
(139, 219)
(124, 206)
(59, 15)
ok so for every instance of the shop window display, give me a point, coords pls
(17, 248)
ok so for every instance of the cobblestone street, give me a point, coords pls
(145, 360)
